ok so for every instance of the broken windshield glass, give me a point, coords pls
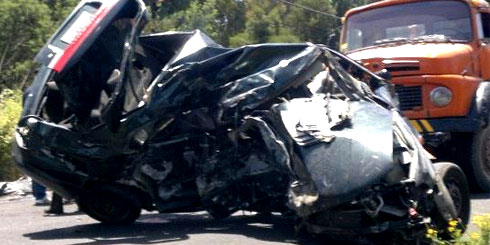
(410, 21)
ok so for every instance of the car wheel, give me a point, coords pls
(480, 159)
(457, 185)
(111, 206)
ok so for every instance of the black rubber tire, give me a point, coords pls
(455, 181)
(480, 159)
(111, 206)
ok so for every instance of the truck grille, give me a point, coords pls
(409, 97)
(402, 68)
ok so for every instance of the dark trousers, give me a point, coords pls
(38, 191)
(56, 205)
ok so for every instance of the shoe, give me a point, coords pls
(42, 202)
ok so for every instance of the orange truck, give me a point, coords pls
(438, 53)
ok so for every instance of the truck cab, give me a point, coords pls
(438, 53)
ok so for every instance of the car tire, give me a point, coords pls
(111, 206)
(455, 181)
(480, 159)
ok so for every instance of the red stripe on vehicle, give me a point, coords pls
(75, 45)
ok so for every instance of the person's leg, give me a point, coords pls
(39, 193)
(56, 205)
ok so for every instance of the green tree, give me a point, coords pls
(196, 16)
(258, 25)
(60, 9)
(264, 23)
(165, 8)
(310, 26)
(9, 110)
(231, 16)
(26, 26)
(239, 22)
(217, 18)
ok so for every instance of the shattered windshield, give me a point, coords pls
(427, 21)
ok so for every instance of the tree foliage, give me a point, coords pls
(239, 22)
(59, 9)
(25, 27)
(9, 109)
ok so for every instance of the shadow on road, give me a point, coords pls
(161, 228)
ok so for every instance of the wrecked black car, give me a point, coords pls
(174, 122)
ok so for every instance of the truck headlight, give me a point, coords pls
(441, 96)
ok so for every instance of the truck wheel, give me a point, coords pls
(480, 159)
(455, 181)
(111, 206)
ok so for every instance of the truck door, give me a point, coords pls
(483, 25)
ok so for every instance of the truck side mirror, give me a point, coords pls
(332, 41)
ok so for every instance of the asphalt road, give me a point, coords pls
(22, 223)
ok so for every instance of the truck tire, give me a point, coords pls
(480, 159)
(455, 181)
(111, 206)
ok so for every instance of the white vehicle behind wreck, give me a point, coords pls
(175, 122)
